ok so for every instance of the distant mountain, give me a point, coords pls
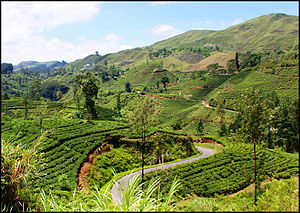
(266, 33)
(41, 66)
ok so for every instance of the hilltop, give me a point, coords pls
(35, 65)
(265, 33)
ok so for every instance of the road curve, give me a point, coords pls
(123, 182)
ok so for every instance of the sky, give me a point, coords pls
(66, 30)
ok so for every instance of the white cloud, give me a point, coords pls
(23, 26)
(165, 30)
(112, 37)
(40, 49)
(20, 20)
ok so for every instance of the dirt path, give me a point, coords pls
(123, 182)
(206, 104)
(87, 165)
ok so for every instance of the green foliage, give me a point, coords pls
(117, 160)
(18, 165)
(200, 127)
(35, 89)
(269, 120)
(6, 68)
(87, 82)
(279, 195)
(228, 171)
(128, 87)
(5, 96)
(160, 148)
(50, 89)
(134, 199)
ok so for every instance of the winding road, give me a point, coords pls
(123, 182)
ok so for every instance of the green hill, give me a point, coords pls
(265, 33)
(35, 65)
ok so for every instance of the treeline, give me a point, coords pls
(274, 121)
(203, 51)
(6, 68)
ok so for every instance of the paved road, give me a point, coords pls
(123, 182)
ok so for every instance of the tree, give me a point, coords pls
(6, 68)
(118, 101)
(213, 67)
(200, 127)
(49, 89)
(41, 111)
(220, 111)
(252, 124)
(5, 96)
(223, 130)
(128, 87)
(165, 80)
(26, 102)
(87, 83)
(157, 84)
(141, 118)
(237, 65)
(231, 66)
(287, 125)
(76, 96)
(35, 89)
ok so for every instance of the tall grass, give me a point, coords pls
(18, 163)
(133, 198)
(16, 166)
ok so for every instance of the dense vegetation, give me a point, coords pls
(100, 117)
(279, 195)
(229, 171)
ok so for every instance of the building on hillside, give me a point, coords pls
(86, 67)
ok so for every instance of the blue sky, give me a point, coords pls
(45, 31)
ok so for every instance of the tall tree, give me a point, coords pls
(76, 95)
(200, 127)
(87, 83)
(220, 111)
(128, 87)
(41, 111)
(35, 89)
(165, 80)
(118, 101)
(141, 117)
(237, 64)
(26, 103)
(251, 110)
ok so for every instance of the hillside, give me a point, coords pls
(265, 33)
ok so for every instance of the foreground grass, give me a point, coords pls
(279, 195)
(134, 198)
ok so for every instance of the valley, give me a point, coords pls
(226, 103)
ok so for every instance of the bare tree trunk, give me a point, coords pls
(255, 181)
(143, 157)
